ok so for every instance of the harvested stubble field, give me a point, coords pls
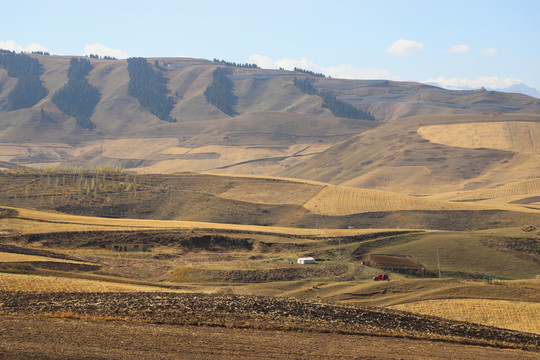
(48, 284)
(263, 313)
(519, 136)
(341, 200)
(517, 315)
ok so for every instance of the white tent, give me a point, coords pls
(306, 260)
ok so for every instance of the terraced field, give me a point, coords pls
(527, 188)
(509, 136)
(515, 315)
(341, 200)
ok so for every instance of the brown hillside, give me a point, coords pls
(396, 157)
(272, 112)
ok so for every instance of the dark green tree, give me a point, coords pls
(29, 89)
(309, 72)
(220, 92)
(79, 68)
(77, 97)
(337, 107)
(150, 88)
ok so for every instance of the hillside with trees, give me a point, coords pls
(77, 97)
(233, 64)
(279, 130)
(337, 107)
(309, 72)
(220, 92)
(29, 89)
(150, 88)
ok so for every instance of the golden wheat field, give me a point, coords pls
(12, 257)
(518, 189)
(519, 136)
(341, 200)
(38, 283)
(514, 315)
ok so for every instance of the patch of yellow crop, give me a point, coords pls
(38, 283)
(11, 257)
(514, 315)
(518, 136)
(341, 200)
(526, 188)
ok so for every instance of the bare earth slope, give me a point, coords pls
(442, 154)
(261, 313)
(46, 338)
(277, 127)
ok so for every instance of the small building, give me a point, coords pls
(127, 247)
(306, 260)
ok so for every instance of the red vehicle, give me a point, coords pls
(381, 277)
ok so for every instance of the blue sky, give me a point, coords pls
(471, 43)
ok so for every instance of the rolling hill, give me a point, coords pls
(441, 191)
(278, 129)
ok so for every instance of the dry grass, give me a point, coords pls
(230, 158)
(38, 283)
(12, 257)
(35, 221)
(272, 193)
(514, 315)
(526, 188)
(341, 200)
(509, 136)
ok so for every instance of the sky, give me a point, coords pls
(472, 43)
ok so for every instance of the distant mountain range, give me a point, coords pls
(520, 88)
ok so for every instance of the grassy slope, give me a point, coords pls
(248, 200)
(516, 315)
(462, 252)
(396, 157)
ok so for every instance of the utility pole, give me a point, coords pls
(438, 263)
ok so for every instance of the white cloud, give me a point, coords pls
(404, 47)
(346, 71)
(288, 64)
(102, 50)
(489, 52)
(343, 71)
(13, 46)
(458, 49)
(491, 82)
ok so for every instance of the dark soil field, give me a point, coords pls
(260, 313)
(36, 337)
